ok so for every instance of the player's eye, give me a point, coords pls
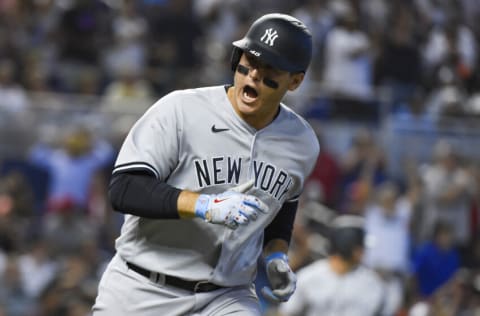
(244, 70)
(270, 83)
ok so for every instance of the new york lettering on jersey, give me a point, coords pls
(226, 170)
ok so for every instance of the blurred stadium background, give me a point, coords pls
(393, 92)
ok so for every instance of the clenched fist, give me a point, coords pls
(281, 278)
(231, 208)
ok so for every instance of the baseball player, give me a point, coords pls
(338, 285)
(208, 180)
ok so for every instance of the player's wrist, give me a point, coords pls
(276, 255)
(201, 206)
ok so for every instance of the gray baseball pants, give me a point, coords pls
(122, 291)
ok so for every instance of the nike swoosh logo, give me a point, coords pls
(219, 200)
(217, 130)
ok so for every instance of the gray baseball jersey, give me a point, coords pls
(194, 140)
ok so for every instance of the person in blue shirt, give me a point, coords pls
(436, 262)
(72, 166)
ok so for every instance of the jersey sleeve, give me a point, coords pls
(153, 142)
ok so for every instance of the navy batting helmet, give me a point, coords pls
(347, 234)
(279, 40)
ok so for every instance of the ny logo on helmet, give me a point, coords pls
(269, 37)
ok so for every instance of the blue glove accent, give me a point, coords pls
(201, 206)
(276, 255)
(281, 278)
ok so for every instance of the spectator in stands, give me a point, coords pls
(36, 81)
(452, 44)
(66, 230)
(221, 21)
(319, 18)
(172, 57)
(399, 61)
(447, 98)
(83, 34)
(15, 186)
(433, 13)
(387, 224)
(448, 191)
(470, 11)
(128, 90)
(347, 75)
(37, 268)
(40, 41)
(71, 291)
(72, 167)
(88, 85)
(12, 293)
(338, 284)
(13, 97)
(326, 171)
(14, 18)
(459, 296)
(436, 261)
(11, 223)
(129, 29)
(362, 168)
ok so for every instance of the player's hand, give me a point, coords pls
(231, 208)
(283, 281)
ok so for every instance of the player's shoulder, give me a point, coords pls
(368, 275)
(314, 269)
(192, 96)
(200, 92)
(295, 124)
(178, 101)
(298, 121)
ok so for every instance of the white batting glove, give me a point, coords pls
(283, 281)
(231, 208)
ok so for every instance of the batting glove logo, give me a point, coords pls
(231, 208)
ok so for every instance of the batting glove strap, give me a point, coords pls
(276, 255)
(201, 206)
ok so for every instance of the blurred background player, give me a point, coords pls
(338, 284)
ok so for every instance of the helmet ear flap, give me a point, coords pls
(235, 58)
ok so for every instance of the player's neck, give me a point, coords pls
(339, 266)
(259, 119)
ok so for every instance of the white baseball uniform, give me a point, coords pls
(321, 291)
(194, 140)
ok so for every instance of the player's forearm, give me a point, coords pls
(275, 245)
(186, 204)
(281, 227)
(141, 194)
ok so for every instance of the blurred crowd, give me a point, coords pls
(422, 230)
(415, 60)
(364, 50)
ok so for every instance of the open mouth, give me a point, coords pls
(250, 93)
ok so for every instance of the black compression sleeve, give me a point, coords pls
(141, 194)
(282, 225)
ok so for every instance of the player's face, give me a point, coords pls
(258, 90)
